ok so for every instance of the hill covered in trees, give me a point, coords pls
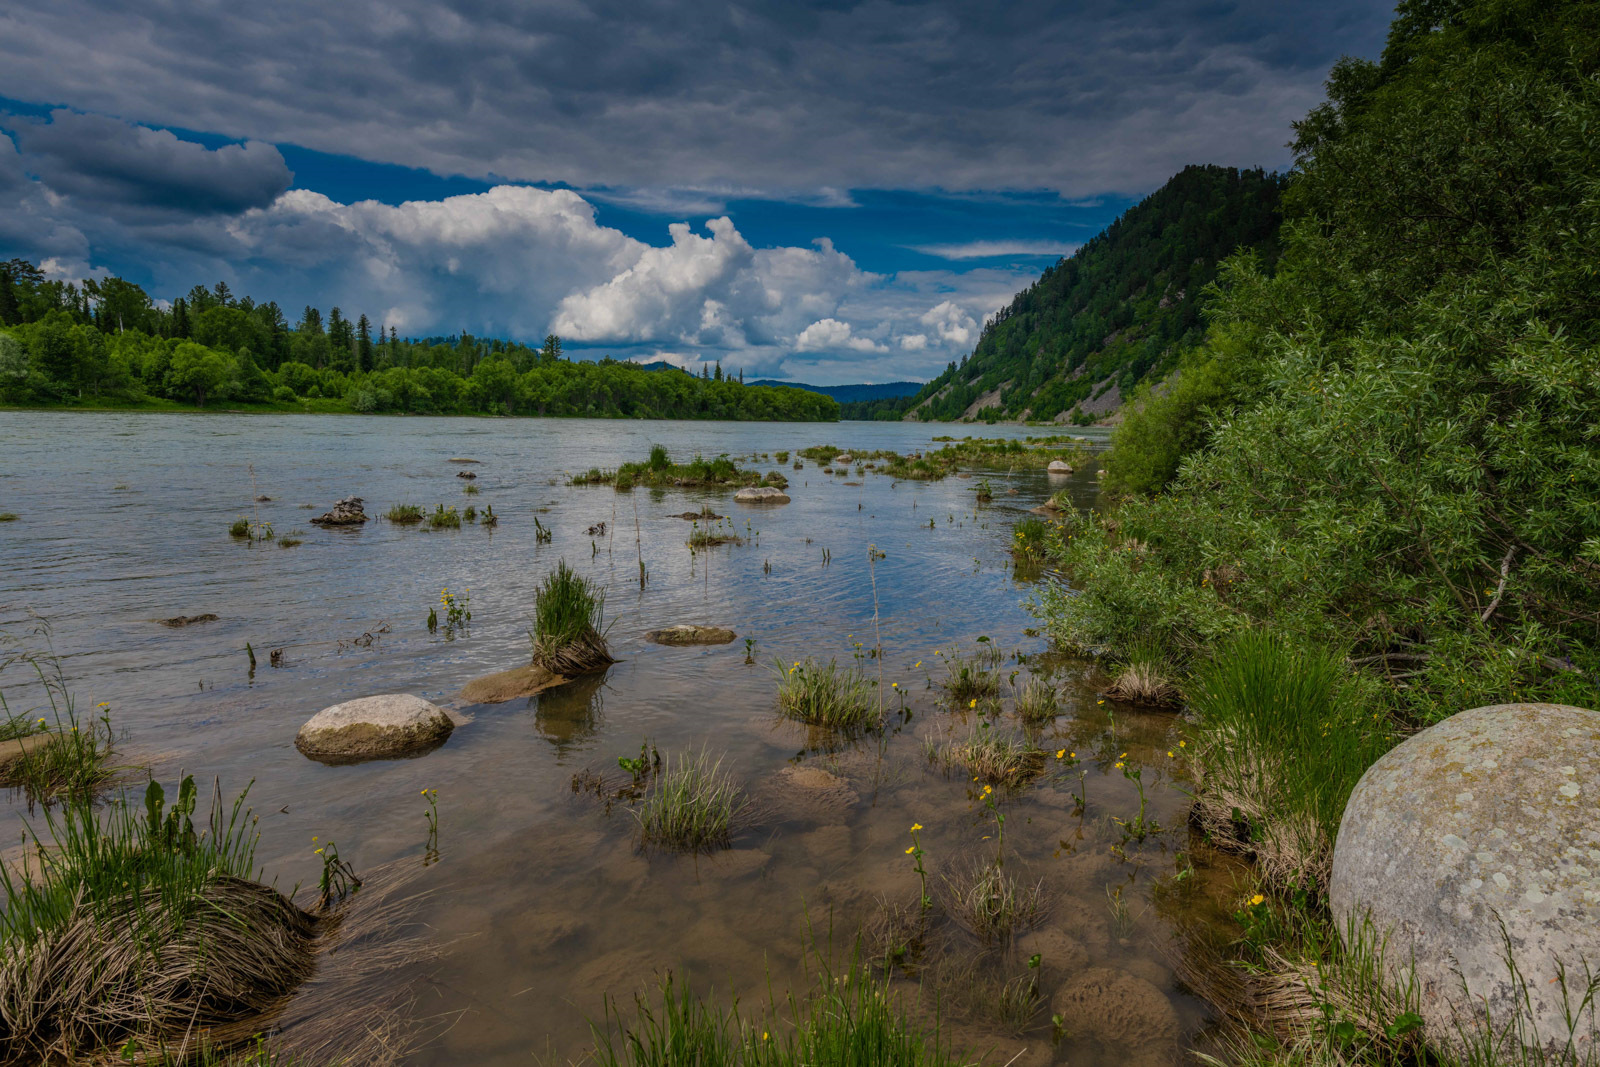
(853, 394)
(1119, 311)
(107, 344)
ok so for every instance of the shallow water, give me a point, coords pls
(540, 900)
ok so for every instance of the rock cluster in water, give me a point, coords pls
(346, 512)
(1477, 837)
(763, 494)
(375, 727)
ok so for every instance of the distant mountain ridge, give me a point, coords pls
(1119, 311)
(846, 394)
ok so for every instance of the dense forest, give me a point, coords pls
(1120, 310)
(106, 343)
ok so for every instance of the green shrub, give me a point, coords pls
(1284, 733)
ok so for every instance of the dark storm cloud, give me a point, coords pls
(107, 163)
(777, 97)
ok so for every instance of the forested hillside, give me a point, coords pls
(106, 343)
(1117, 312)
(1389, 446)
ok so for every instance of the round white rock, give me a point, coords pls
(375, 727)
(1477, 838)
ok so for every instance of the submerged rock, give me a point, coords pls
(1122, 1012)
(811, 792)
(843, 459)
(1058, 466)
(763, 494)
(1479, 834)
(469, 475)
(346, 512)
(686, 633)
(375, 727)
(178, 621)
(462, 459)
(502, 686)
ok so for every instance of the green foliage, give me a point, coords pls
(1396, 455)
(405, 514)
(98, 858)
(1120, 310)
(659, 472)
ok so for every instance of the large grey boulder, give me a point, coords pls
(1476, 838)
(1059, 466)
(762, 494)
(376, 727)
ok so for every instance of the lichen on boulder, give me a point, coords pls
(1474, 845)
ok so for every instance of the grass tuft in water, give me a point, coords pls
(405, 514)
(444, 518)
(121, 908)
(1028, 540)
(851, 1018)
(994, 758)
(1037, 701)
(826, 695)
(992, 904)
(973, 677)
(1144, 677)
(71, 762)
(8, 516)
(691, 806)
(568, 624)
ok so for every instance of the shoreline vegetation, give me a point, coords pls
(105, 345)
(1366, 505)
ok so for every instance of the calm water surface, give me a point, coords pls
(540, 903)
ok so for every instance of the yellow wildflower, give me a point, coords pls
(915, 827)
(1170, 754)
(1060, 752)
(987, 790)
(973, 703)
(910, 850)
(1119, 765)
(1257, 899)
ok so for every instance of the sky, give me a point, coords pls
(821, 192)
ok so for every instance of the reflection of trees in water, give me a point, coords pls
(569, 715)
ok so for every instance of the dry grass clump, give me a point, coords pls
(979, 987)
(568, 614)
(137, 927)
(990, 903)
(1143, 683)
(691, 806)
(826, 695)
(995, 759)
(1037, 701)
